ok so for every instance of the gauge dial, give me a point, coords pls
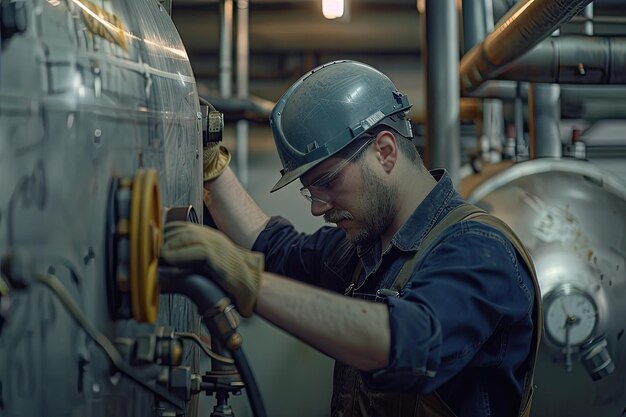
(570, 316)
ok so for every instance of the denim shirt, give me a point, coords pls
(462, 325)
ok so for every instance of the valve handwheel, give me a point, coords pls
(145, 237)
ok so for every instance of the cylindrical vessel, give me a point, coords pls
(90, 90)
(572, 217)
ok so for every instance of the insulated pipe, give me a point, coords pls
(523, 27)
(226, 46)
(572, 60)
(243, 60)
(544, 115)
(440, 21)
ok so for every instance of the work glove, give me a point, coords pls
(210, 253)
(215, 159)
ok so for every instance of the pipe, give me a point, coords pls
(572, 60)
(520, 141)
(489, 15)
(226, 46)
(243, 60)
(507, 90)
(253, 108)
(440, 21)
(589, 20)
(474, 23)
(544, 115)
(588, 102)
(523, 27)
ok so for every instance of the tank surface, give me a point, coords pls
(90, 91)
(572, 217)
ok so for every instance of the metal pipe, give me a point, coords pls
(489, 16)
(544, 114)
(507, 90)
(523, 27)
(572, 60)
(440, 21)
(474, 23)
(475, 27)
(588, 102)
(226, 46)
(520, 142)
(589, 20)
(243, 60)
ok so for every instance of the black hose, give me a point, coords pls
(206, 295)
(254, 395)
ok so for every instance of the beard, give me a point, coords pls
(374, 209)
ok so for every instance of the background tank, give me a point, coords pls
(89, 91)
(572, 217)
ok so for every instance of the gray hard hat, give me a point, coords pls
(328, 108)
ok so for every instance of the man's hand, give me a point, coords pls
(209, 252)
(215, 159)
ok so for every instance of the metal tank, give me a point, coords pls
(572, 217)
(92, 92)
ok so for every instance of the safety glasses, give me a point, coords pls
(320, 191)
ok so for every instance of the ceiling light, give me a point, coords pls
(332, 9)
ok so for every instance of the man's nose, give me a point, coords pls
(319, 207)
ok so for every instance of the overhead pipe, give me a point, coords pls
(572, 60)
(507, 90)
(441, 46)
(524, 26)
(253, 108)
(588, 102)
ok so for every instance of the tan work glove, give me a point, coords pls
(212, 254)
(215, 159)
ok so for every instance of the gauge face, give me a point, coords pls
(570, 316)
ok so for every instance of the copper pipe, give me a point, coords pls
(523, 27)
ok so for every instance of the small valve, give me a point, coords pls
(161, 348)
(597, 360)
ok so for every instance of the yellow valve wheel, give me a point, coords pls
(145, 237)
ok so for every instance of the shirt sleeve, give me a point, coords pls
(299, 255)
(467, 288)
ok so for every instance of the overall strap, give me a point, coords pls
(456, 215)
(537, 309)
(471, 212)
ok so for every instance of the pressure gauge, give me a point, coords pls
(570, 315)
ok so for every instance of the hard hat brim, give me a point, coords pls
(291, 176)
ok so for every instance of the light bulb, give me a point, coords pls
(332, 9)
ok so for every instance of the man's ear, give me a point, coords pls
(386, 148)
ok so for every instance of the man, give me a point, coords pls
(422, 319)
